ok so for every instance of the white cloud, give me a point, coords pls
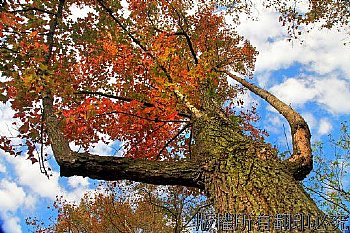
(6, 124)
(11, 195)
(301, 6)
(332, 93)
(13, 198)
(30, 176)
(324, 127)
(31, 201)
(23, 190)
(2, 167)
(322, 51)
(101, 149)
(38, 185)
(78, 181)
(274, 123)
(263, 79)
(325, 52)
(125, 9)
(294, 91)
(248, 99)
(11, 224)
(260, 31)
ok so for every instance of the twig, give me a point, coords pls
(32, 9)
(171, 140)
(141, 117)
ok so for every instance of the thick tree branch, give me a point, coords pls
(184, 33)
(140, 170)
(51, 34)
(300, 163)
(190, 45)
(110, 167)
(59, 143)
(188, 104)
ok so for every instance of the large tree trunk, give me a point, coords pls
(245, 176)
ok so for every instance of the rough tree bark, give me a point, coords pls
(238, 174)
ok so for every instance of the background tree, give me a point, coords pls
(154, 78)
(119, 207)
(328, 182)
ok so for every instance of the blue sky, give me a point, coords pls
(313, 77)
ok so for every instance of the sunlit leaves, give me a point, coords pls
(136, 60)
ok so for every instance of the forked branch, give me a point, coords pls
(300, 162)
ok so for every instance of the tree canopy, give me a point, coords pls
(153, 75)
(139, 78)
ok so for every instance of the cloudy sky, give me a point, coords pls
(313, 77)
